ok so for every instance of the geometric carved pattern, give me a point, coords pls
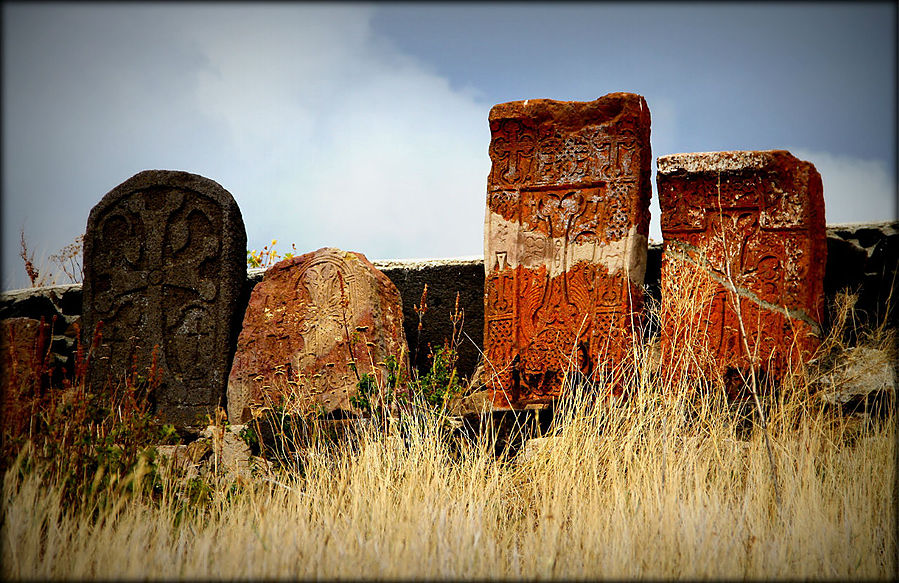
(565, 241)
(756, 220)
(294, 349)
(164, 264)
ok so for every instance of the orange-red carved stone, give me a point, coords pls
(565, 241)
(24, 344)
(308, 320)
(752, 225)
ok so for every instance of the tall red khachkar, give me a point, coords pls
(565, 241)
(752, 225)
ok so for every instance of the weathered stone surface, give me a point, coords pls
(23, 348)
(231, 454)
(23, 343)
(863, 258)
(861, 374)
(477, 402)
(309, 318)
(60, 308)
(164, 263)
(220, 453)
(750, 225)
(565, 240)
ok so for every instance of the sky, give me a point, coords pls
(364, 127)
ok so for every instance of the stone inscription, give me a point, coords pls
(754, 220)
(565, 241)
(309, 321)
(164, 262)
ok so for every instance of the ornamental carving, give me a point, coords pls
(751, 226)
(565, 243)
(314, 325)
(164, 262)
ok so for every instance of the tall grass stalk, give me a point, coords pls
(659, 486)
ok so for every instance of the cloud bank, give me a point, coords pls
(855, 190)
(325, 134)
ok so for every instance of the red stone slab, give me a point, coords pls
(24, 343)
(565, 241)
(753, 219)
(309, 318)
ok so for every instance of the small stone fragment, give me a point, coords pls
(861, 373)
(23, 346)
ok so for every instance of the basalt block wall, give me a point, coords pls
(862, 258)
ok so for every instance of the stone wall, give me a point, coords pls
(59, 305)
(863, 258)
(860, 257)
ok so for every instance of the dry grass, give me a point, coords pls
(648, 490)
(674, 482)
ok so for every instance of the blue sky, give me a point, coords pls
(365, 126)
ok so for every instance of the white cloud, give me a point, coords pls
(324, 132)
(855, 190)
(342, 140)
(663, 137)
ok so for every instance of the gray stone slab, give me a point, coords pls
(164, 264)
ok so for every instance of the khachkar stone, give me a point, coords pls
(310, 321)
(24, 344)
(751, 224)
(565, 241)
(164, 263)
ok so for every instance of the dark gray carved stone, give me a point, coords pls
(164, 263)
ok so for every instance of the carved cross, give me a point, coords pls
(324, 314)
(516, 146)
(160, 271)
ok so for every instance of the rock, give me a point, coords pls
(860, 374)
(220, 452)
(184, 456)
(308, 321)
(164, 262)
(232, 455)
(197, 451)
(23, 344)
(23, 347)
(536, 446)
(60, 307)
(473, 404)
(565, 241)
(863, 258)
(742, 229)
